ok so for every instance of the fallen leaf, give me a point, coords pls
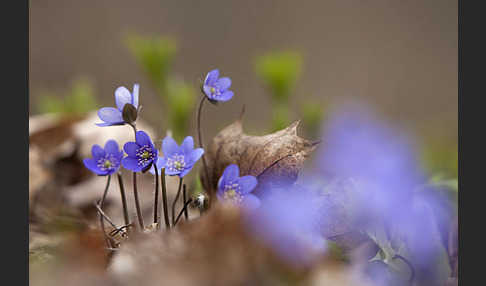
(274, 159)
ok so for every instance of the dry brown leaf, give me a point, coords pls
(277, 157)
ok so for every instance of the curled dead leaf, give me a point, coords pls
(274, 158)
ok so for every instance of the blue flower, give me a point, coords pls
(141, 153)
(288, 222)
(105, 161)
(178, 160)
(235, 189)
(113, 116)
(216, 88)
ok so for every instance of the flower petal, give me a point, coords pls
(131, 164)
(223, 83)
(111, 147)
(122, 97)
(172, 173)
(169, 146)
(211, 77)
(188, 145)
(225, 96)
(110, 115)
(142, 138)
(185, 171)
(231, 173)
(97, 152)
(131, 148)
(136, 88)
(194, 156)
(250, 202)
(247, 184)
(160, 164)
(91, 165)
(207, 91)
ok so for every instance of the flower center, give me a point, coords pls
(232, 194)
(176, 163)
(144, 155)
(107, 163)
(213, 90)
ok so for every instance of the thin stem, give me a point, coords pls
(137, 202)
(184, 198)
(116, 229)
(123, 199)
(183, 210)
(175, 201)
(164, 199)
(199, 136)
(156, 200)
(102, 203)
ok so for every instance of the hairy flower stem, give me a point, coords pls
(199, 136)
(123, 199)
(135, 191)
(137, 202)
(101, 204)
(164, 199)
(175, 201)
(184, 209)
(184, 199)
(156, 200)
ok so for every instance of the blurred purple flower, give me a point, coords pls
(288, 221)
(387, 176)
(113, 116)
(105, 161)
(237, 190)
(215, 88)
(141, 153)
(178, 160)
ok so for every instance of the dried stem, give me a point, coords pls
(183, 210)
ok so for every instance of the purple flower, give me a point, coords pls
(105, 161)
(288, 222)
(216, 88)
(235, 189)
(178, 160)
(113, 116)
(141, 154)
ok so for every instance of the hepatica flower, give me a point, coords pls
(105, 161)
(179, 160)
(141, 153)
(288, 222)
(113, 116)
(237, 190)
(215, 88)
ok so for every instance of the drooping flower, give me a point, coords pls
(237, 190)
(105, 161)
(114, 116)
(215, 88)
(178, 160)
(141, 153)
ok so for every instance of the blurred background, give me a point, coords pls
(288, 60)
